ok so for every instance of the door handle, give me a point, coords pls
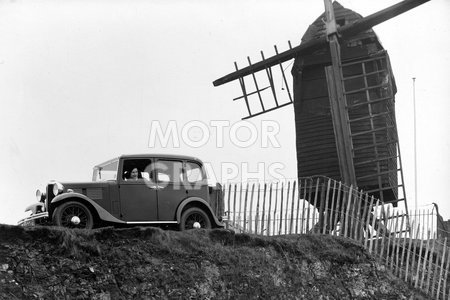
(156, 187)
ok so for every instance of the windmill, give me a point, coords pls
(344, 100)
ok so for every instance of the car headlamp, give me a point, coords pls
(57, 188)
(40, 196)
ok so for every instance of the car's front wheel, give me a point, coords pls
(73, 214)
(194, 218)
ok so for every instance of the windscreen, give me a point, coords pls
(107, 171)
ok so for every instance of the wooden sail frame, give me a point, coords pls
(345, 31)
(275, 94)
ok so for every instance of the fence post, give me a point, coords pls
(263, 209)
(389, 253)
(380, 226)
(321, 208)
(377, 250)
(299, 198)
(326, 207)
(257, 209)
(385, 216)
(316, 194)
(309, 205)
(306, 199)
(444, 289)
(417, 237)
(357, 232)
(425, 219)
(442, 268)
(430, 263)
(347, 224)
(239, 216)
(234, 206)
(338, 208)
(303, 215)
(274, 227)
(332, 211)
(344, 212)
(436, 268)
(298, 205)
(292, 206)
(250, 220)
(397, 253)
(369, 210)
(424, 266)
(364, 219)
(348, 216)
(229, 206)
(220, 202)
(411, 235)
(404, 245)
(245, 208)
(374, 218)
(352, 215)
(280, 226)
(287, 208)
(394, 244)
(416, 284)
(268, 213)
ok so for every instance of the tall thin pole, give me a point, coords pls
(415, 143)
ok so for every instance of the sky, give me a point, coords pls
(85, 81)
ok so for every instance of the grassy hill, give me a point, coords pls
(146, 263)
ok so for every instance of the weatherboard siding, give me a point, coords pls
(316, 144)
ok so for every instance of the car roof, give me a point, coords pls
(158, 155)
(147, 155)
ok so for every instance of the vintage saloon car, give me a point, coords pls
(160, 190)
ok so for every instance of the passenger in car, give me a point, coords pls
(135, 174)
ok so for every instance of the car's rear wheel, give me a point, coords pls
(193, 218)
(73, 215)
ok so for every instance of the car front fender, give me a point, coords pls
(102, 213)
(34, 207)
(192, 200)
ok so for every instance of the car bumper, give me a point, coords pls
(34, 219)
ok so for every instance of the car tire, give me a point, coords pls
(73, 214)
(194, 215)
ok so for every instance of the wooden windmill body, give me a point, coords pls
(368, 88)
(344, 100)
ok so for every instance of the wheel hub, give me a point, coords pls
(196, 225)
(75, 220)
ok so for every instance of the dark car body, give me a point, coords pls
(168, 186)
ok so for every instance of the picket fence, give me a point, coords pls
(409, 243)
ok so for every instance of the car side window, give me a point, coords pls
(194, 172)
(137, 170)
(169, 171)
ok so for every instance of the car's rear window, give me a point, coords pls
(194, 172)
(169, 171)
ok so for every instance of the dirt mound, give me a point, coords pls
(55, 263)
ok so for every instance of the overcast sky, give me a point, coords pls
(82, 81)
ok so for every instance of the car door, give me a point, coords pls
(171, 191)
(138, 198)
(196, 183)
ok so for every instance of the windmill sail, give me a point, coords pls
(271, 88)
(345, 31)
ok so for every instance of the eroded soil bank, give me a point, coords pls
(149, 263)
